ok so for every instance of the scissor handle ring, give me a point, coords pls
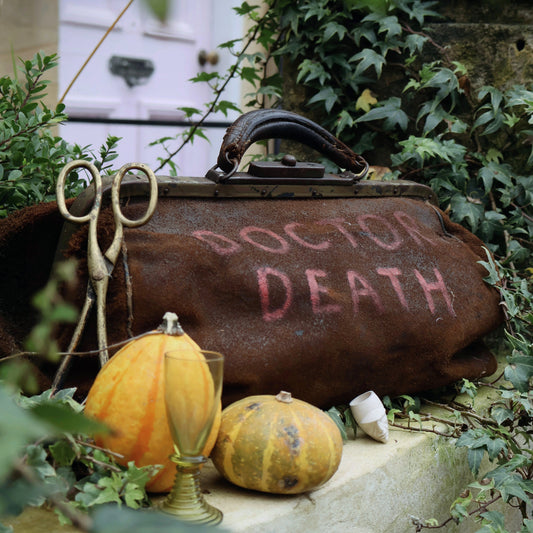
(60, 191)
(115, 194)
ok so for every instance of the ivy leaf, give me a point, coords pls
(62, 452)
(64, 419)
(363, 32)
(528, 526)
(390, 111)
(160, 8)
(496, 96)
(501, 414)
(478, 441)
(249, 74)
(415, 43)
(495, 519)
(390, 26)
(112, 519)
(334, 28)
(17, 428)
(316, 10)
(494, 171)
(345, 120)
(519, 371)
(463, 209)
(189, 111)
(205, 77)
(224, 106)
(326, 95)
(91, 494)
(512, 485)
(368, 58)
(336, 417)
(474, 457)
(365, 101)
(133, 496)
(36, 458)
(310, 70)
(244, 9)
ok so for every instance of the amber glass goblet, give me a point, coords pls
(193, 387)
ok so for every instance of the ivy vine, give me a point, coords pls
(363, 66)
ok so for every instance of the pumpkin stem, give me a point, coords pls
(171, 325)
(284, 397)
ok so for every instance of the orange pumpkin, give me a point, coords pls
(277, 444)
(128, 395)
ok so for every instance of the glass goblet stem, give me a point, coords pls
(186, 500)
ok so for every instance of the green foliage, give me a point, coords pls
(472, 148)
(47, 455)
(362, 66)
(31, 156)
(53, 310)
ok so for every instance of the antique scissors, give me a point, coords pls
(100, 263)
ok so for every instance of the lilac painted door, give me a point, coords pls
(172, 50)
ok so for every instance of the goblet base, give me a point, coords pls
(186, 501)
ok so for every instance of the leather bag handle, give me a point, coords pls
(264, 124)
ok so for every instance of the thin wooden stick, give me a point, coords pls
(109, 30)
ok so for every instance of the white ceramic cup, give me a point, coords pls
(370, 414)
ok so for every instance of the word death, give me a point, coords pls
(278, 292)
(358, 286)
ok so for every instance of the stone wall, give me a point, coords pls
(491, 38)
(27, 27)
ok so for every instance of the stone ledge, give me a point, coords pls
(377, 488)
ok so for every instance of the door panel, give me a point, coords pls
(172, 48)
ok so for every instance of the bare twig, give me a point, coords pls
(481, 509)
(109, 30)
(421, 429)
(212, 105)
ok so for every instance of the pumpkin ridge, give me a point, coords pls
(300, 453)
(232, 435)
(227, 464)
(270, 448)
(142, 443)
(103, 411)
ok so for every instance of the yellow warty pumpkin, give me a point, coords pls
(277, 444)
(128, 395)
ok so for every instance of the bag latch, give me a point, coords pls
(288, 167)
